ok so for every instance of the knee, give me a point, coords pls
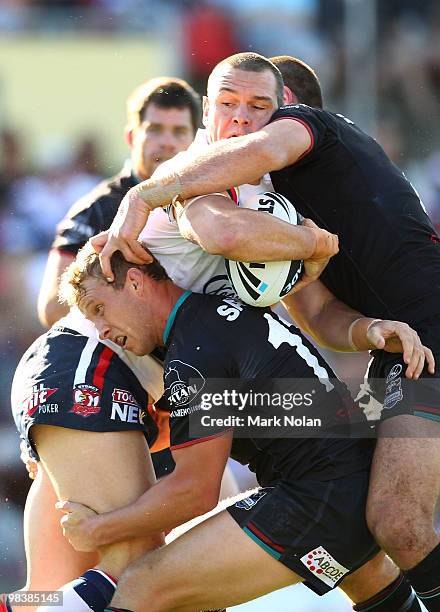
(144, 586)
(403, 532)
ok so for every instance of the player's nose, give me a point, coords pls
(103, 330)
(168, 140)
(241, 116)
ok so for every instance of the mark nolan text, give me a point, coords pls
(259, 421)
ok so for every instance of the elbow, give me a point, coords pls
(224, 239)
(272, 156)
(198, 498)
(46, 313)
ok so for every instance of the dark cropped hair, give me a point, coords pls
(165, 92)
(300, 78)
(254, 62)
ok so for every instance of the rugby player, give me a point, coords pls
(305, 519)
(162, 117)
(83, 413)
(388, 266)
(161, 113)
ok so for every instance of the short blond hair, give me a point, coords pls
(87, 265)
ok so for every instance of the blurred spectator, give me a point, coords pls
(38, 202)
(12, 165)
(209, 35)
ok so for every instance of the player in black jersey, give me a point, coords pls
(163, 115)
(388, 266)
(305, 524)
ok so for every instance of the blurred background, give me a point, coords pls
(66, 68)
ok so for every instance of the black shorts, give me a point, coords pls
(316, 528)
(69, 380)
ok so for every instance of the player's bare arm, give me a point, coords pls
(50, 309)
(242, 234)
(335, 325)
(184, 494)
(235, 161)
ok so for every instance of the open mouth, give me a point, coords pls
(121, 341)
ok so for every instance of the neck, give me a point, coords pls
(170, 293)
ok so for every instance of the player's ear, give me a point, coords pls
(135, 280)
(205, 103)
(128, 134)
(289, 96)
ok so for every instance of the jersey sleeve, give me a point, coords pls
(83, 221)
(308, 117)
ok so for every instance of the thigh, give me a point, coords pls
(51, 561)
(104, 471)
(406, 463)
(213, 565)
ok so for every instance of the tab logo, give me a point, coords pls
(249, 502)
(322, 565)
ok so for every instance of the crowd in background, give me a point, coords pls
(36, 192)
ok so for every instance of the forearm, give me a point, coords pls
(164, 506)
(341, 328)
(246, 235)
(223, 164)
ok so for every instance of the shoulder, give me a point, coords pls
(93, 213)
(107, 193)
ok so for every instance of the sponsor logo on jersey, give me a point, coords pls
(38, 400)
(394, 372)
(86, 400)
(230, 309)
(182, 412)
(393, 389)
(177, 390)
(125, 408)
(249, 502)
(219, 285)
(322, 565)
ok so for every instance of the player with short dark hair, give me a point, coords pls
(388, 266)
(163, 115)
(300, 79)
(163, 92)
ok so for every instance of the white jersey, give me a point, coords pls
(187, 264)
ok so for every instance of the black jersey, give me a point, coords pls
(389, 260)
(93, 213)
(208, 337)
